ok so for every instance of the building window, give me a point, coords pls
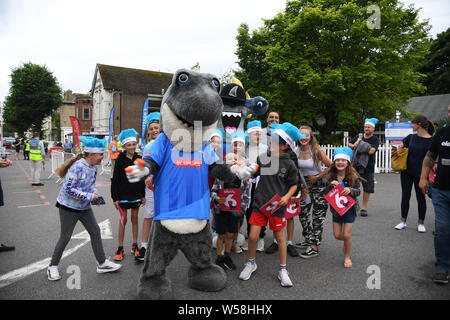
(86, 114)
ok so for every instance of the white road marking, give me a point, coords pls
(18, 274)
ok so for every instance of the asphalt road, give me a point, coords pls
(404, 260)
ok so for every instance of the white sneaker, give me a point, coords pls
(400, 226)
(53, 273)
(421, 228)
(248, 270)
(108, 266)
(260, 246)
(283, 276)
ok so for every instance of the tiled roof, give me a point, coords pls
(133, 81)
(433, 107)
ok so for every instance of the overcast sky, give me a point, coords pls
(71, 36)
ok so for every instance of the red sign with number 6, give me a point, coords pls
(339, 202)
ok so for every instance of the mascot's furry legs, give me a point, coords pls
(203, 275)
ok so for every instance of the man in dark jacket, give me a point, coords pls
(369, 170)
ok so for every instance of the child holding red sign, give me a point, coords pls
(342, 172)
(231, 199)
(276, 186)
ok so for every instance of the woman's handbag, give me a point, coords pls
(398, 161)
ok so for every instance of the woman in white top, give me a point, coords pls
(310, 160)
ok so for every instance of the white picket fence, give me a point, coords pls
(382, 156)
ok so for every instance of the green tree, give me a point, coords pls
(331, 63)
(436, 66)
(34, 95)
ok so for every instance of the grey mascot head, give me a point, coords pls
(191, 109)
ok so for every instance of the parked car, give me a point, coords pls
(8, 142)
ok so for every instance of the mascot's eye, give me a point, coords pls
(215, 83)
(259, 104)
(183, 78)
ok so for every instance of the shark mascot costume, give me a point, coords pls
(180, 161)
(237, 106)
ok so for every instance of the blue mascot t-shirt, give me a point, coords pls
(181, 185)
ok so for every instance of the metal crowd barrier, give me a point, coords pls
(57, 160)
(106, 164)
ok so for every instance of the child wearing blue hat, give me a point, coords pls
(255, 145)
(152, 122)
(342, 172)
(238, 142)
(74, 204)
(227, 223)
(216, 141)
(279, 176)
(127, 195)
(290, 134)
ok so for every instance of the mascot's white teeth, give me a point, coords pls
(231, 114)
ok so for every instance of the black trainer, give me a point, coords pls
(292, 251)
(440, 276)
(302, 245)
(141, 256)
(309, 253)
(272, 249)
(4, 248)
(228, 262)
(221, 262)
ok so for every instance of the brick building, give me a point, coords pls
(83, 111)
(125, 89)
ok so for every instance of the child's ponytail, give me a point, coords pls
(62, 171)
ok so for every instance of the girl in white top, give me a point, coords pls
(310, 159)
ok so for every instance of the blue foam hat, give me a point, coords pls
(93, 145)
(343, 153)
(152, 118)
(238, 136)
(288, 132)
(218, 132)
(128, 135)
(253, 126)
(371, 121)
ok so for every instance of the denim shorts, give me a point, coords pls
(348, 217)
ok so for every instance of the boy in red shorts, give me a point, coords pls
(278, 177)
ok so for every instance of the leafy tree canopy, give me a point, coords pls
(332, 63)
(436, 66)
(34, 94)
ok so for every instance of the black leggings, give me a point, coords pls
(407, 182)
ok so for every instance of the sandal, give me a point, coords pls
(348, 263)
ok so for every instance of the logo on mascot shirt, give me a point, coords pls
(194, 163)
